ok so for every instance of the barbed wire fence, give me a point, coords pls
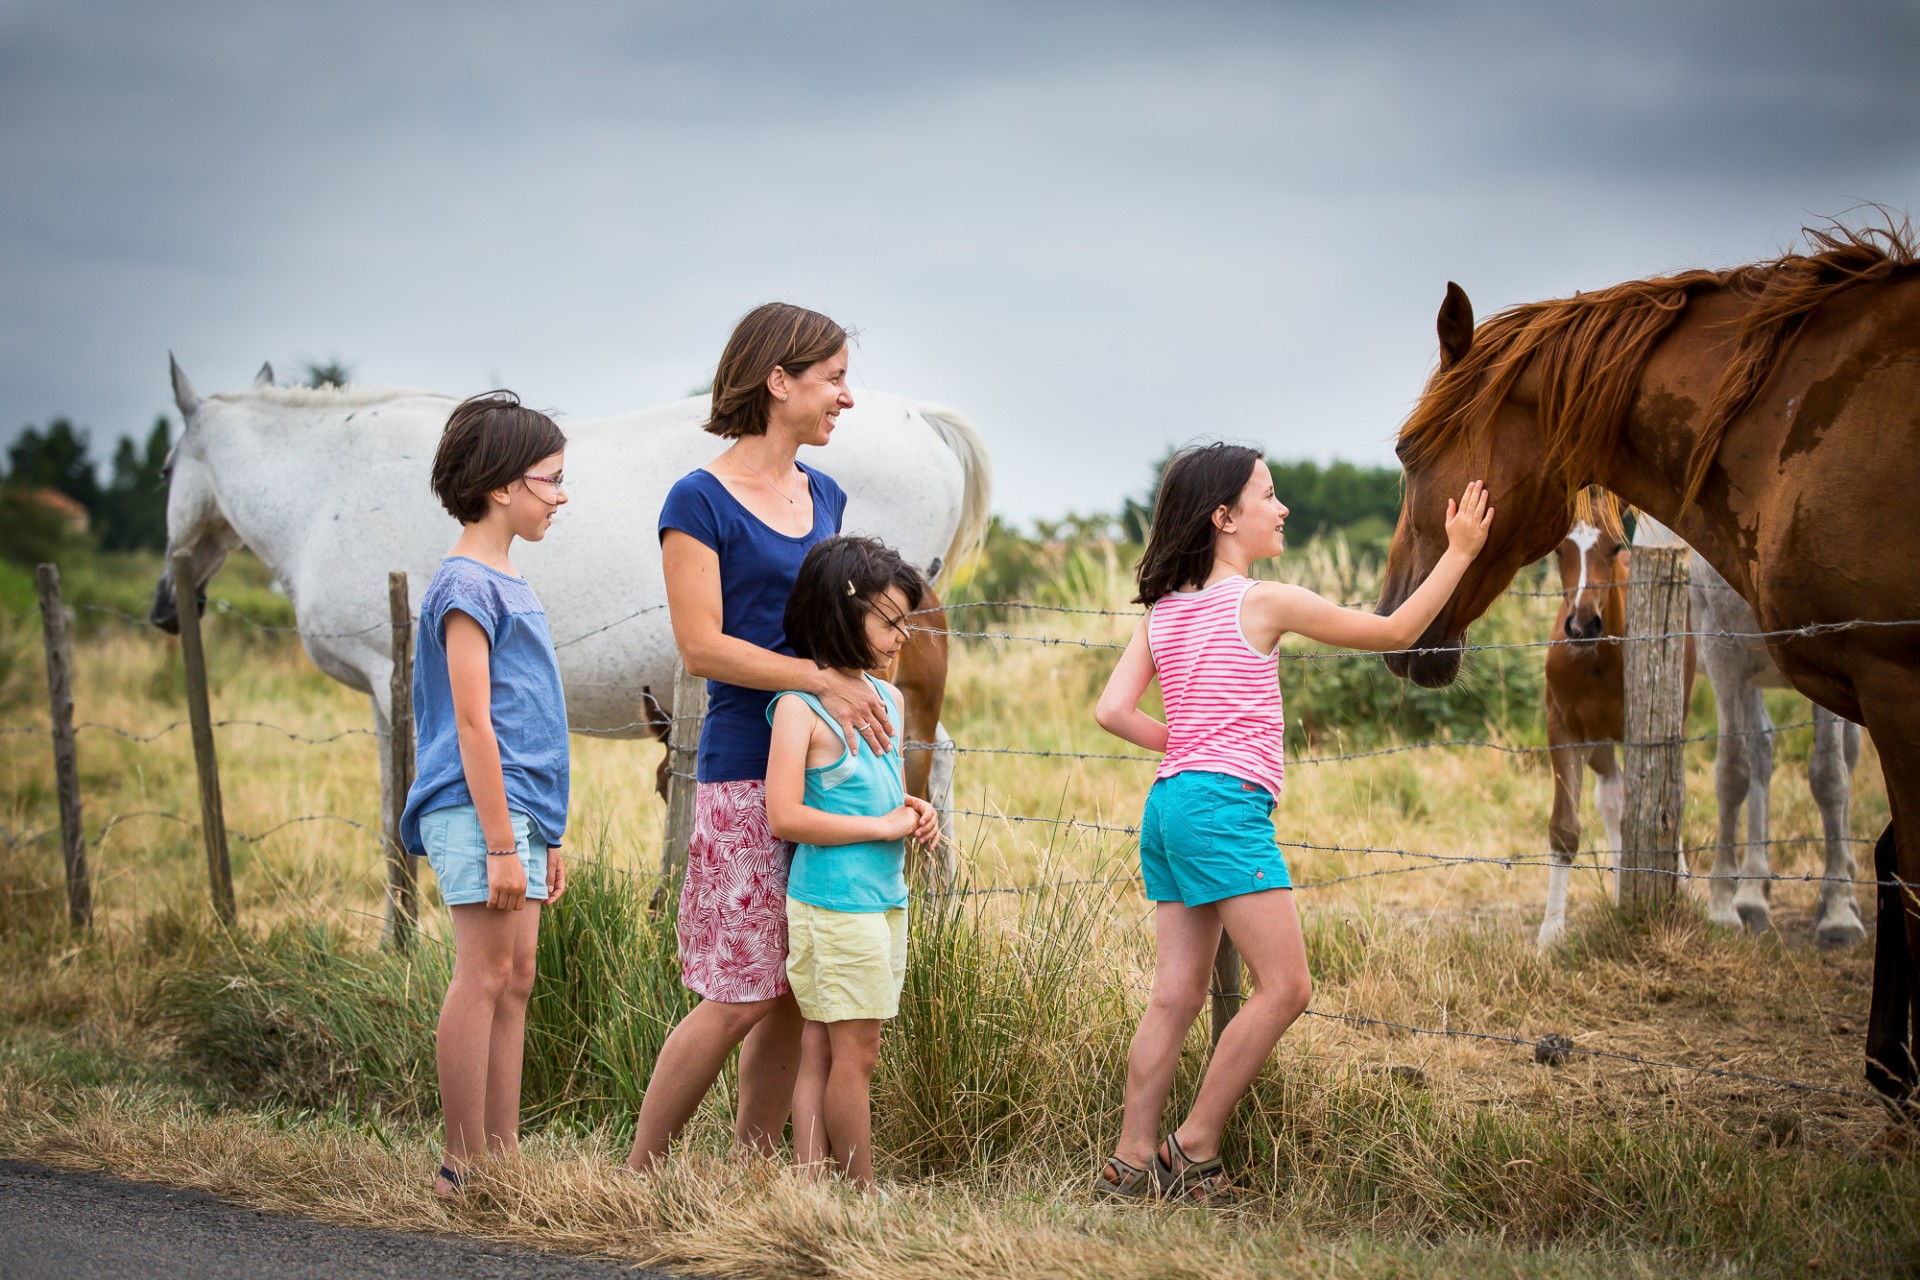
(1657, 859)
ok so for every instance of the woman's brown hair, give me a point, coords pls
(1198, 482)
(772, 335)
(490, 441)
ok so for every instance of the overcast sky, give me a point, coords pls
(1098, 228)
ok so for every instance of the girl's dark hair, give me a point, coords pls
(772, 335)
(839, 582)
(490, 441)
(1198, 482)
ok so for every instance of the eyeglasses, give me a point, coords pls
(558, 481)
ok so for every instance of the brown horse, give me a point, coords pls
(1768, 414)
(1586, 689)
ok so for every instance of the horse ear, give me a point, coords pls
(184, 396)
(1455, 325)
(264, 378)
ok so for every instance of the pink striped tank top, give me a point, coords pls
(1222, 698)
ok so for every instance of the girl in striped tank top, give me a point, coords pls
(1207, 851)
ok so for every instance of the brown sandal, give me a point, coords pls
(1183, 1178)
(1119, 1180)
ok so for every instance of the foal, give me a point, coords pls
(1586, 689)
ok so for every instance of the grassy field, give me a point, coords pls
(289, 1063)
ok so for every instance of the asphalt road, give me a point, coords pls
(77, 1226)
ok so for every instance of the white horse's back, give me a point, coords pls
(330, 489)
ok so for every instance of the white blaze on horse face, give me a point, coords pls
(1585, 537)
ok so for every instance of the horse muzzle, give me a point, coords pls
(165, 613)
(1431, 665)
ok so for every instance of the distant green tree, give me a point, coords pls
(1319, 499)
(133, 509)
(56, 459)
(328, 373)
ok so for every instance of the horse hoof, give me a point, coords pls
(1836, 934)
(1756, 918)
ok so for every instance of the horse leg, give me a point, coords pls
(401, 877)
(1751, 905)
(1893, 1022)
(921, 673)
(1563, 829)
(1609, 794)
(1732, 776)
(1831, 780)
(1893, 1025)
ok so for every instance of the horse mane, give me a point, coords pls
(1587, 352)
(326, 397)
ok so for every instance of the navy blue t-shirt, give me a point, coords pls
(757, 569)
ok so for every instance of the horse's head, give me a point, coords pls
(1461, 431)
(1593, 583)
(195, 522)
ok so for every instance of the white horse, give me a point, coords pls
(329, 488)
(1739, 667)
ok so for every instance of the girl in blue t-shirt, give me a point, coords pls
(847, 811)
(488, 803)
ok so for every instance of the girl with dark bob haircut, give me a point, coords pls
(490, 442)
(839, 583)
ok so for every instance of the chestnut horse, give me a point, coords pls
(1767, 414)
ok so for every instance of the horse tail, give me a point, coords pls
(976, 469)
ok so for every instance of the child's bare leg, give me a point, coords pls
(810, 1147)
(769, 1059)
(483, 946)
(1185, 940)
(849, 1107)
(506, 1051)
(688, 1064)
(1266, 928)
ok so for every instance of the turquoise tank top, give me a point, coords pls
(870, 875)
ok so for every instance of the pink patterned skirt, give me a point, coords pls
(733, 903)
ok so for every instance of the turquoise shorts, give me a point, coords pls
(458, 853)
(1208, 836)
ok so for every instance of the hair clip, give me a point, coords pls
(850, 590)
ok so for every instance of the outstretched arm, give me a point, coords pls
(1119, 710)
(1277, 608)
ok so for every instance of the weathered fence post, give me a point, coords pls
(213, 822)
(66, 759)
(402, 885)
(683, 748)
(1655, 765)
(1226, 986)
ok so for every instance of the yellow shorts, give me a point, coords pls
(846, 964)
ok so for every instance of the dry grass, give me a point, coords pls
(1486, 1163)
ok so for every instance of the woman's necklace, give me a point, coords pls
(770, 484)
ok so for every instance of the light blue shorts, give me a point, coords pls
(458, 853)
(1208, 836)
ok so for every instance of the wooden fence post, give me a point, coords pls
(213, 822)
(403, 903)
(1226, 986)
(1656, 711)
(66, 759)
(683, 748)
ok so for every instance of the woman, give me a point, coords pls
(732, 536)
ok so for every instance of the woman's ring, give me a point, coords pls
(863, 726)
